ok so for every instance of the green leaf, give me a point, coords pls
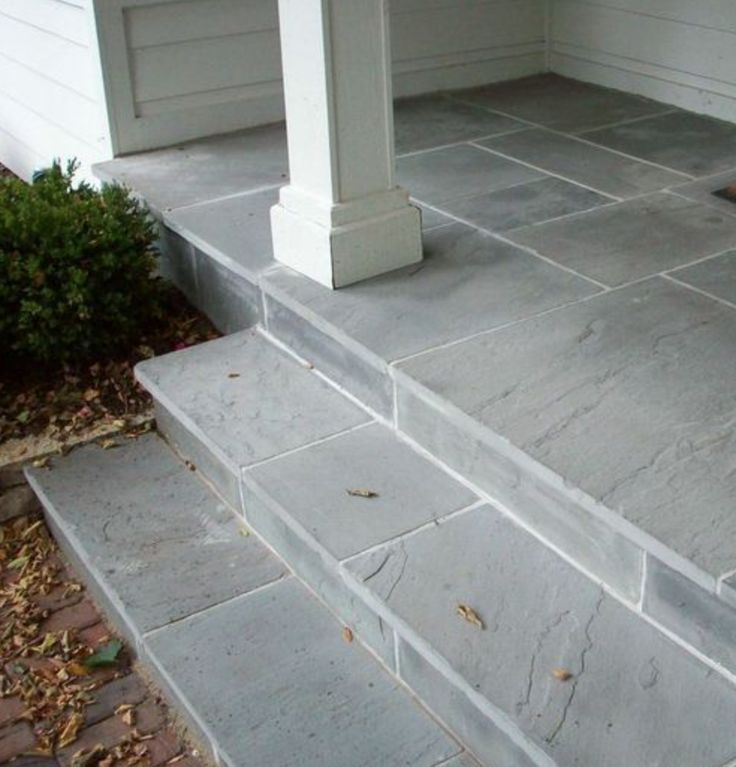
(107, 655)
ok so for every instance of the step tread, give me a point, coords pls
(258, 666)
(634, 698)
(163, 544)
(250, 399)
(274, 679)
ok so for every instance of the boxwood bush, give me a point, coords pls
(76, 268)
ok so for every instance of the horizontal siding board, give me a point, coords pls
(675, 51)
(68, 109)
(673, 45)
(62, 19)
(154, 25)
(49, 55)
(481, 27)
(200, 65)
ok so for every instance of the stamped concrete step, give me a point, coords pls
(255, 664)
(241, 400)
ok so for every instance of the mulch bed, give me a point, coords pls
(49, 410)
(68, 695)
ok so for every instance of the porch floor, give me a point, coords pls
(577, 298)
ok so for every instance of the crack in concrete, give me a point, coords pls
(522, 704)
(400, 575)
(379, 568)
(574, 686)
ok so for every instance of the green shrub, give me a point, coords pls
(75, 268)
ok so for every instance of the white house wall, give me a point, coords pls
(682, 52)
(50, 97)
(179, 69)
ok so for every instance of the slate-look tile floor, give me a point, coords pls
(543, 195)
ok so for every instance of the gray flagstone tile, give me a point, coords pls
(524, 204)
(203, 170)
(685, 141)
(444, 174)
(716, 276)
(702, 190)
(633, 698)
(313, 486)
(634, 239)
(236, 230)
(423, 122)
(248, 397)
(275, 684)
(560, 103)
(468, 282)
(584, 163)
(628, 396)
(158, 539)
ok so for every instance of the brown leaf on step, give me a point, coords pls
(108, 444)
(77, 669)
(468, 614)
(127, 713)
(361, 493)
(347, 634)
(177, 758)
(233, 375)
(190, 466)
(562, 674)
(89, 757)
(42, 463)
(71, 729)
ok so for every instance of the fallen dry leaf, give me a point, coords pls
(562, 674)
(468, 614)
(347, 634)
(69, 734)
(42, 463)
(360, 493)
(108, 444)
(190, 466)
(233, 375)
(127, 713)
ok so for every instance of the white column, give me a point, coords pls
(342, 218)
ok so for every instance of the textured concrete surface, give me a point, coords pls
(628, 396)
(634, 239)
(319, 569)
(560, 103)
(583, 163)
(630, 697)
(204, 170)
(428, 121)
(716, 276)
(247, 397)
(702, 191)
(458, 171)
(684, 141)
(468, 282)
(524, 204)
(276, 684)
(512, 478)
(236, 230)
(314, 486)
(155, 537)
(703, 620)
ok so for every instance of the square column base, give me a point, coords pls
(342, 255)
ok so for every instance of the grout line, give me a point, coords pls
(169, 211)
(629, 121)
(436, 522)
(462, 141)
(704, 202)
(718, 300)
(539, 169)
(302, 448)
(205, 610)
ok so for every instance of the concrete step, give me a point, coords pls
(254, 663)
(561, 671)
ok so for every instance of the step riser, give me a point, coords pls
(231, 301)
